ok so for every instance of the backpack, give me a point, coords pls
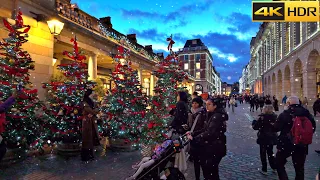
(301, 131)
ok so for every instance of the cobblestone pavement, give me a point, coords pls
(242, 161)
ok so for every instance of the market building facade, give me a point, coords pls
(285, 59)
(54, 23)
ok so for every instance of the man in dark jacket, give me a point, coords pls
(284, 145)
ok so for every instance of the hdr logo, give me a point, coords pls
(286, 11)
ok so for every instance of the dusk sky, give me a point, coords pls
(224, 26)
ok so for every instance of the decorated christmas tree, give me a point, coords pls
(65, 98)
(22, 128)
(169, 75)
(125, 104)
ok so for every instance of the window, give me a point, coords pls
(297, 33)
(197, 57)
(186, 57)
(198, 75)
(287, 40)
(198, 65)
(186, 66)
(194, 41)
(312, 27)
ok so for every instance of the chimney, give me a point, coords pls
(132, 38)
(148, 48)
(106, 21)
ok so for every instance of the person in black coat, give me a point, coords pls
(266, 137)
(275, 104)
(181, 113)
(198, 116)
(284, 145)
(212, 139)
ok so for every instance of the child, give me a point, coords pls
(148, 161)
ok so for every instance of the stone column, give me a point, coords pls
(140, 75)
(152, 83)
(92, 66)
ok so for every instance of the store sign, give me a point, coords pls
(199, 87)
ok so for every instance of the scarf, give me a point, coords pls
(194, 111)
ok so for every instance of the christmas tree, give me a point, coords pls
(65, 98)
(169, 75)
(22, 128)
(125, 104)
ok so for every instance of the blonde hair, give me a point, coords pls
(267, 109)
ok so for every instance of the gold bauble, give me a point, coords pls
(75, 111)
(11, 61)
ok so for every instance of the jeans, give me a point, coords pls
(298, 158)
(264, 150)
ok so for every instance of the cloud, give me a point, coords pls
(241, 23)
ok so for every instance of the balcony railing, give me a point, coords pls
(87, 21)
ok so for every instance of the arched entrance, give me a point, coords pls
(279, 84)
(269, 85)
(265, 87)
(297, 86)
(286, 81)
(313, 74)
(274, 84)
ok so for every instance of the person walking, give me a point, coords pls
(275, 104)
(90, 136)
(285, 145)
(213, 139)
(232, 103)
(266, 137)
(316, 106)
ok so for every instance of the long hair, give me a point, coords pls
(183, 96)
(87, 99)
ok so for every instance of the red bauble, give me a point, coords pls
(26, 78)
(44, 86)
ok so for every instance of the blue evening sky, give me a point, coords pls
(224, 26)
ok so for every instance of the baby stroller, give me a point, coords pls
(154, 171)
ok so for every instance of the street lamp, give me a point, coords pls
(55, 26)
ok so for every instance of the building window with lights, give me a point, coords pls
(297, 33)
(287, 40)
(198, 75)
(312, 27)
(186, 66)
(197, 65)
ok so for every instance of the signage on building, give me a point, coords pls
(285, 11)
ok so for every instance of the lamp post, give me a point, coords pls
(55, 26)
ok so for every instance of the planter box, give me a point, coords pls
(69, 149)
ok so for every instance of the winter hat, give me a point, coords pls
(198, 100)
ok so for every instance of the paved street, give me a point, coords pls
(242, 161)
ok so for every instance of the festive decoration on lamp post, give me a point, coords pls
(65, 98)
(21, 127)
(124, 104)
(169, 75)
